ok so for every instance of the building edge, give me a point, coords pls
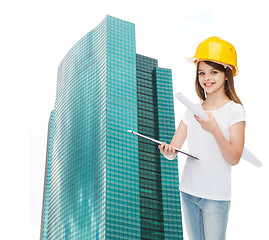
(48, 158)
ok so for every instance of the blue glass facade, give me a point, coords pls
(159, 195)
(46, 194)
(122, 171)
(78, 182)
(105, 183)
(151, 206)
(171, 197)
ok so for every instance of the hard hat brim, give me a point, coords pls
(196, 60)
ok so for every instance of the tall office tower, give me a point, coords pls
(102, 182)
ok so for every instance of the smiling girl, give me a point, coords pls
(218, 141)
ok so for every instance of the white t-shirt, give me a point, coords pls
(209, 177)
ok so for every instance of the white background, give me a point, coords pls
(36, 35)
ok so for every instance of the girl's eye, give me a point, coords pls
(214, 72)
(201, 73)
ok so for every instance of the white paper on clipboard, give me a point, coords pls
(159, 142)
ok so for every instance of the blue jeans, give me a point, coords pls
(205, 219)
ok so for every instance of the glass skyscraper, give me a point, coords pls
(100, 181)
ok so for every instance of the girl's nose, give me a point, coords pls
(206, 78)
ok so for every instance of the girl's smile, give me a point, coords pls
(209, 84)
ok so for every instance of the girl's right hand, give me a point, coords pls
(167, 150)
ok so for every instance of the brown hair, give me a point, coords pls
(229, 84)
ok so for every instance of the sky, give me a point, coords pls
(36, 35)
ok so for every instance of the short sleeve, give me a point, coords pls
(238, 114)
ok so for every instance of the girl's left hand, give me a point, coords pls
(208, 124)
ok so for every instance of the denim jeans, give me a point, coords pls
(205, 219)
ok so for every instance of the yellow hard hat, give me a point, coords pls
(217, 50)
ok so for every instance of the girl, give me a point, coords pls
(218, 141)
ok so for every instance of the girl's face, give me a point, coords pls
(211, 79)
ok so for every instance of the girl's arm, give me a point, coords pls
(232, 149)
(177, 141)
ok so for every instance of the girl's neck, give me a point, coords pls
(214, 101)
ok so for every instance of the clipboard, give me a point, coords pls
(159, 142)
